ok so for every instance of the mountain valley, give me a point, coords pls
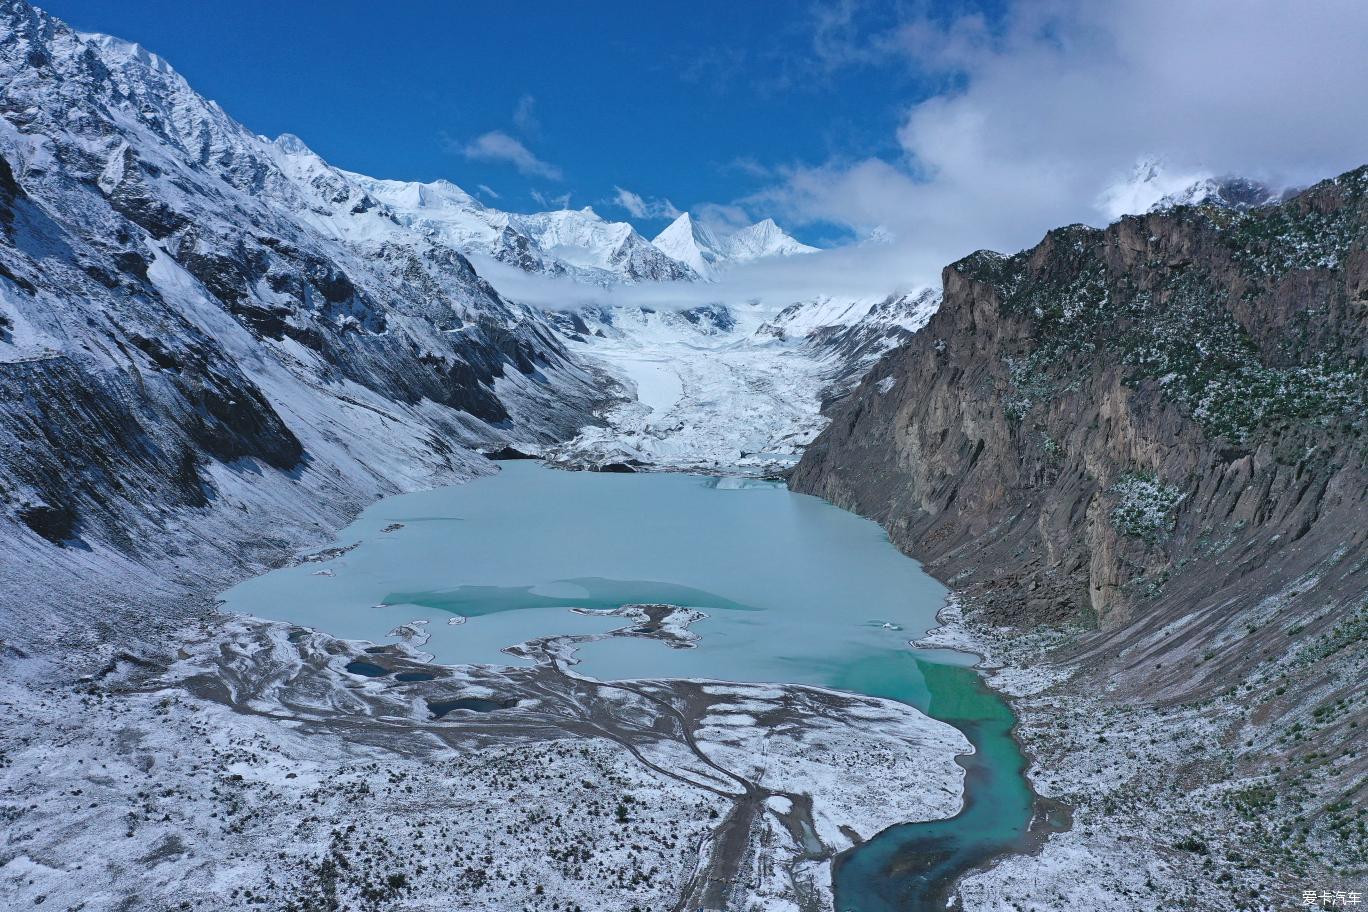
(1128, 464)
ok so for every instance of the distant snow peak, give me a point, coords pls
(586, 242)
(690, 243)
(1152, 186)
(1149, 181)
(763, 239)
(1226, 192)
(577, 243)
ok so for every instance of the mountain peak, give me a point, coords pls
(292, 145)
(690, 243)
(763, 239)
(130, 50)
(1152, 187)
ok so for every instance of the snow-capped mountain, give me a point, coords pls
(689, 243)
(206, 330)
(592, 246)
(763, 239)
(577, 243)
(1226, 192)
(1153, 187)
(704, 252)
(849, 335)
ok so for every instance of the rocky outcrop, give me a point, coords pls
(1157, 429)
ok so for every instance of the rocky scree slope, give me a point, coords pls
(1155, 433)
(202, 363)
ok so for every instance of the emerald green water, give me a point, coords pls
(795, 591)
(908, 868)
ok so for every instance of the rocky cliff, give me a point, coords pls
(1153, 432)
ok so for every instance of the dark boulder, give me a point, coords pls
(508, 452)
(54, 523)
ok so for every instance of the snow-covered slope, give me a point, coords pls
(763, 239)
(576, 243)
(690, 243)
(704, 252)
(205, 335)
(708, 392)
(1153, 187)
(738, 387)
(849, 335)
(598, 249)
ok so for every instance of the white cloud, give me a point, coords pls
(1045, 115)
(525, 116)
(498, 146)
(639, 207)
(1053, 108)
(487, 191)
(770, 284)
(551, 202)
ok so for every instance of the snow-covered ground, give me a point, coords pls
(255, 771)
(737, 388)
(706, 397)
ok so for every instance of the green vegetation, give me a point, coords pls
(1145, 507)
(1181, 332)
(1273, 242)
(1351, 632)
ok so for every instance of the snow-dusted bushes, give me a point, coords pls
(1145, 507)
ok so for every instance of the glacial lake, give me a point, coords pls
(794, 589)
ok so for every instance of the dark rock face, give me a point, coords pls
(711, 318)
(508, 452)
(56, 524)
(620, 468)
(87, 444)
(1163, 419)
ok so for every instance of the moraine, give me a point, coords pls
(791, 591)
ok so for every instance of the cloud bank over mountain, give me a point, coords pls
(1047, 112)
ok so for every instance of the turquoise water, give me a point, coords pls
(794, 588)
(909, 867)
(796, 591)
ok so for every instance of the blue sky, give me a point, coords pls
(938, 127)
(693, 103)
